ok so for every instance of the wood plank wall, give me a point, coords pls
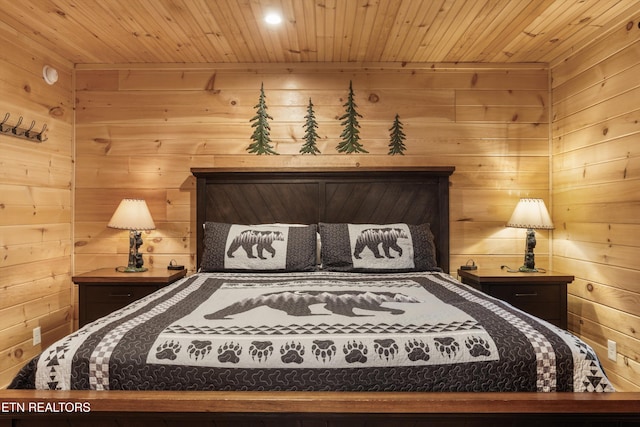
(596, 194)
(35, 203)
(139, 130)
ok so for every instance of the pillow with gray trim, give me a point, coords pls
(377, 247)
(258, 248)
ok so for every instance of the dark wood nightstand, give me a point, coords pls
(542, 294)
(103, 291)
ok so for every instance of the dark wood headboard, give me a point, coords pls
(377, 196)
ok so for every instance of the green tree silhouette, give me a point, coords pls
(310, 134)
(396, 146)
(351, 134)
(261, 138)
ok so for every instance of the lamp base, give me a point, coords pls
(525, 269)
(135, 258)
(133, 269)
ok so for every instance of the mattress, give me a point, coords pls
(318, 331)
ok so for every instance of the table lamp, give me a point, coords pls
(531, 214)
(133, 215)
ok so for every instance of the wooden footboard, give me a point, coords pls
(80, 408)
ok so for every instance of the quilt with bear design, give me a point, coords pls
(318, 331)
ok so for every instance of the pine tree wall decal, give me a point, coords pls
(351, 134)
(261, 137)
(310, 134)
(396, 146)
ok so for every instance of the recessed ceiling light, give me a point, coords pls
(273, 18)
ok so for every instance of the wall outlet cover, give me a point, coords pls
(37, 337)
(612, 350)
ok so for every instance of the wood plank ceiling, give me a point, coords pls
(360, 31)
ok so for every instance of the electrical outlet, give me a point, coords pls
(612, 350)
(37, 338)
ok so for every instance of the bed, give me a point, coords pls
(374, 325)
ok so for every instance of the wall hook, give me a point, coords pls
(40, 136)
(27, 132)
(15, 128)
(6, 117)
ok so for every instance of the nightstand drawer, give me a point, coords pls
(99, 300)
(541, 301)
(117, 294)
(525, 293)
(548, 311)
(98, 310)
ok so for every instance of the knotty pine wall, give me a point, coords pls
(140, 130)
(596, 194)
(35, 203)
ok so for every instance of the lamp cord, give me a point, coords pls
(511, 270)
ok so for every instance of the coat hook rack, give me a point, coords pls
(21, 132)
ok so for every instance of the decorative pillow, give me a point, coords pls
(378, 247)
(264, 247)
(318, 260)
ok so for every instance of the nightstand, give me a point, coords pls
(103, 291)
(542, 294)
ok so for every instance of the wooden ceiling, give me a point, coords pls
(360, 31)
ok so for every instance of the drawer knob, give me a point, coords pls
(533, 294)
(120, 295)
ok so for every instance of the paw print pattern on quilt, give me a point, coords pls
(447, 346)
(385, 349)
(417, 350)
(229, 352)
(168, 350)
(477, 346)
(261, 350)
(323, 350)
(355, 352)
(198, 349)
(292, 352)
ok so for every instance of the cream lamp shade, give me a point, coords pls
(531, 214)
(133, 215)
